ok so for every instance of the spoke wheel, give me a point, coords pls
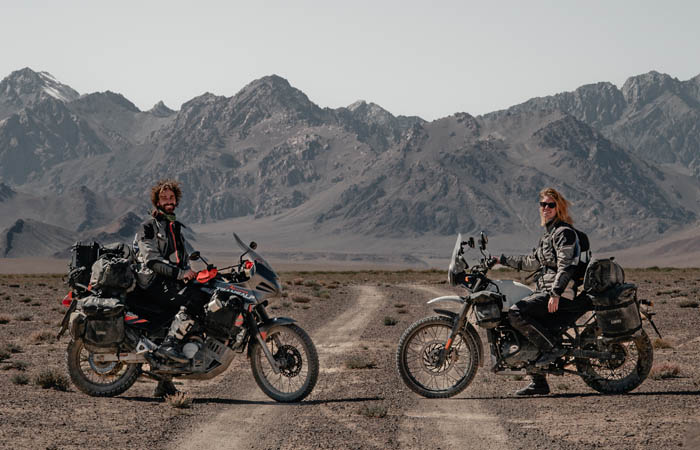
(427, 368)
(98, 379)
(629, 366)
(297, 359)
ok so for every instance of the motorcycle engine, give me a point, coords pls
(516, 350)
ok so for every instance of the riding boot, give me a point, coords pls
(164, 388)
(539, 386)
(170, 348)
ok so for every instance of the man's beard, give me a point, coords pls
(168, 208)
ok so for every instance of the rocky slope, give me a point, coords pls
(626, 157)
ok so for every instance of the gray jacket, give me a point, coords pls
(556, 257)
(161, 250)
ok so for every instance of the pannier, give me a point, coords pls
(617, 311)
(104, 321)
(487, 308)
(82, 258)
(602, 275)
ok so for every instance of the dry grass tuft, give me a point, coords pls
(24, 317)
(301, 299)
(688, 303)
(665, 370)
(43, 337)
(360, 362)
(374, 411)
(179, 400)
(390, 321)
(16, 365)
(662, 343)
(4, 318)
(52, 378)
(19, 379)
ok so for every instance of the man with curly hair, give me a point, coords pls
(163, 260)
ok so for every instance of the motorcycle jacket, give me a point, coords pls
(555, 258)
(161, 250)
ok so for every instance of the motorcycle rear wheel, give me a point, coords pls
(623, 375)
(296, 354)
(98, 379)
(418, 354)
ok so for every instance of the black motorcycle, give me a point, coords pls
(110, 349)
(605, 344)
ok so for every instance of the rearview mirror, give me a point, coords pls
(470, 242)
(194, 256)
(483, 240)
(253, 245)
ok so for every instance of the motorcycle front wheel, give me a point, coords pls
(98, 379)
(297, 359)
(623, 373)
(422, 347)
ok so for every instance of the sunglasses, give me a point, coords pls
(550, 205)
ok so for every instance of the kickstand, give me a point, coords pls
(648, 317)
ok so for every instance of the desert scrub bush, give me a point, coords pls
(4, 354)
(285, 294)
(300, 299)
(16, 365)
(286, 304)
(399, 305)
(688, 303)
(52, 378)
(401, 311)
(664, 371)
(662, 343)
(324, 295)
(360, 362)
(298, 281)
(390, 321)
(26, 300)
(12, 348)
(4, 318)
(42, 336)
(179, 400)
(20, 378)
(24, 317)
(374, 411)
(311, 283)
(563, 387)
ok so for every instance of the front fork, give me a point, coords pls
(262, 336)
(458, 323)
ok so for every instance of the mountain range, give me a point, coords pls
(80, 166)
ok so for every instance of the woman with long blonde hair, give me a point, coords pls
(555, 259)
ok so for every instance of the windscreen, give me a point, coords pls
(456, 265)
(251, 254)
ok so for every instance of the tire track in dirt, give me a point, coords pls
(231, 429)
(450, 423)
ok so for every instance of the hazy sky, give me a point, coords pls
(422, 58)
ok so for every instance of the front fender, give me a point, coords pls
(447, 298)
(273, 321)
(265, 326)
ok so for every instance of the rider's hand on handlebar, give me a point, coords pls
(189, 275)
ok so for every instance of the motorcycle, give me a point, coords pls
(233, 319)
(438, 356)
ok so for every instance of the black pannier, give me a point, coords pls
(617, 311)
(487, 308)
(83, 256)
(104, 321)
